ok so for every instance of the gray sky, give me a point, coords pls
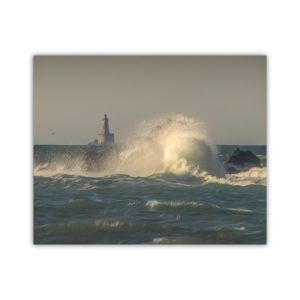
(72, 93)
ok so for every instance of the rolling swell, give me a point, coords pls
(112, 232)
(124, 209)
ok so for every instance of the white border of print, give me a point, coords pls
(144, 272)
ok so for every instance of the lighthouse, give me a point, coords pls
(104, 136)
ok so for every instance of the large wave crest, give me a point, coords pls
(178, 145)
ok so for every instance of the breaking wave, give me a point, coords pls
(177, 145)
(152, 204)
(257, 176)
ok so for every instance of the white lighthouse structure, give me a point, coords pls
(104, 136)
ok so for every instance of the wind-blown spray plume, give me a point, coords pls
(176, 144)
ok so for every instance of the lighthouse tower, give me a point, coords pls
(104, 136)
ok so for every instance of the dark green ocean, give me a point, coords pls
(78, 201)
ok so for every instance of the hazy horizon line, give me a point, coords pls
(125, 143)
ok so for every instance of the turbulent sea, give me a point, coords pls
(164, 186)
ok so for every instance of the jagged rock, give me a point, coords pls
(241, 161)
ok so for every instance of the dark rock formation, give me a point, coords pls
(241, 161)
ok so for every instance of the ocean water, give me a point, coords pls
(164, 186)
